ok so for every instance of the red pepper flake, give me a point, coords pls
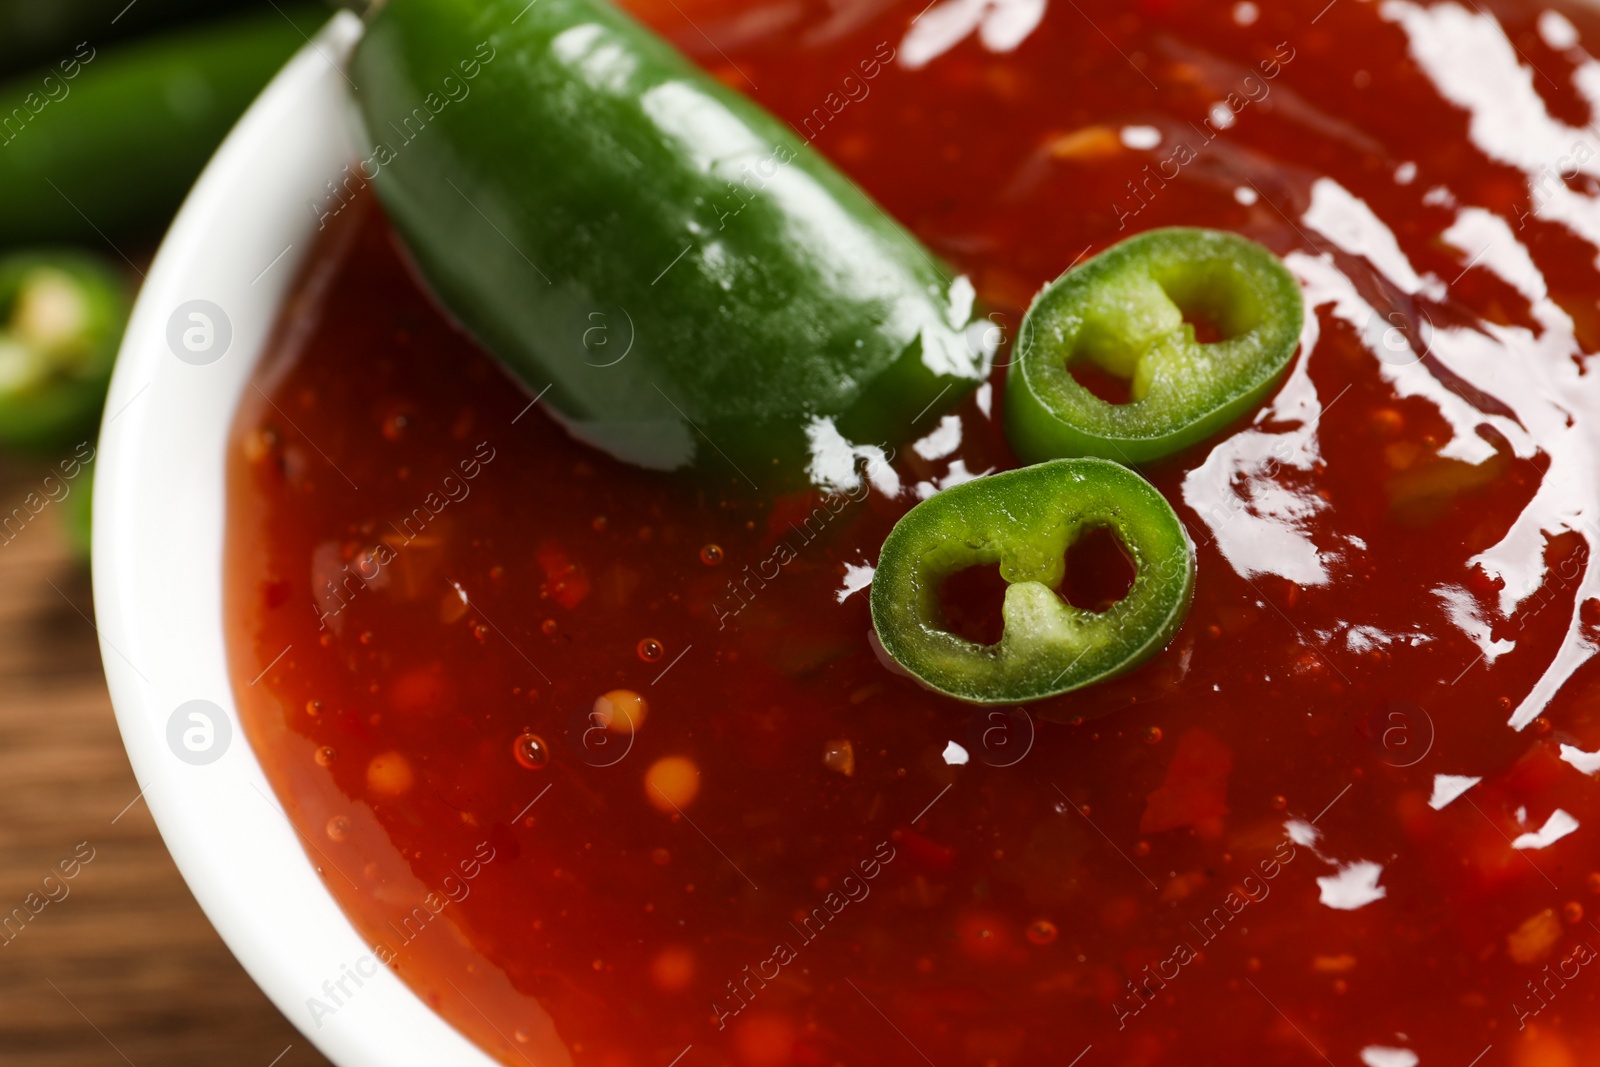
(275, 593)
(926, 852)
(789, 511)
(565, 581)
(419, 690)
(982, 936)
(1196, 786)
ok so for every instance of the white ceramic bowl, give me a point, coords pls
(158, 509)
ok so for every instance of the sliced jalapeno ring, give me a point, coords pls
(1025, 520)
(1124, 310)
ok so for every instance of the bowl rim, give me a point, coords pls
(159, 500)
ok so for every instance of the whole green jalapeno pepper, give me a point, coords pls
(1025, 520)
(555, 168)
(1125, 310)
(61, 320)
(107, 140)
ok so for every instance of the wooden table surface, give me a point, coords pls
(123, 969)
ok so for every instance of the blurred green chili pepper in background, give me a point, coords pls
(109, 139)
(40, 31)
(61, 319)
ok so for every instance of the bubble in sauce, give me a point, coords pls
(650, 650)
(672, 783)
(1041, 932)
(261, 444)
(621, 711)
(1151, 735)
(313, 708)
(389, 774)
(981, 936)
(338, 828)
(711, 555)
(325, 755)
(765, 1040)
(531, 751)
(672, 969)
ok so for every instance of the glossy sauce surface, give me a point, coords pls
(1348, 816)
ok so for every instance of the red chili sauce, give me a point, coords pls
(1249, 851)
